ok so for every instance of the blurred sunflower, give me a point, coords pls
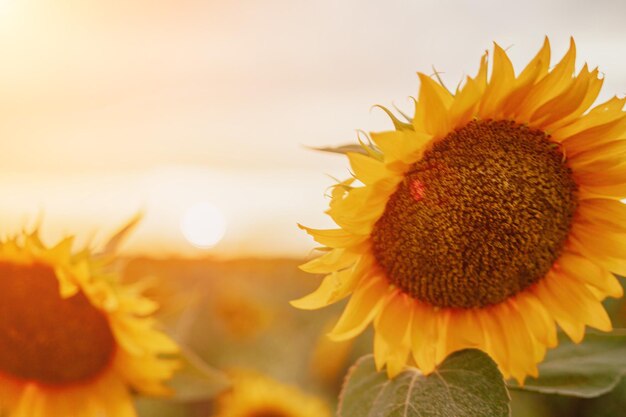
(330, 359)
(240, 315)
(490, 215)
(73, 341)
(254, 395)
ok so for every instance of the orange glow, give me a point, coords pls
(109, 108)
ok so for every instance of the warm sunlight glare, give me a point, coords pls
(203, 225)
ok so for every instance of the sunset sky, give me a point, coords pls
(112, 107)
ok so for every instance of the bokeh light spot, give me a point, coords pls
(203, 225)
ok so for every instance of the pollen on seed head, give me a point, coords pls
(482, 216)
(417, 188)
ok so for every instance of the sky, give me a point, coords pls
(113, 107)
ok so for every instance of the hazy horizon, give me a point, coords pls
(110, 108)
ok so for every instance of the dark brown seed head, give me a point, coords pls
(45, 338)
(483, 215)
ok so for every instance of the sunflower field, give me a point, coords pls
(189, 231)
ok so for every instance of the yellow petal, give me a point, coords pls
(560, 308)
(551, 85)
(495, 341)
(349, 202)
(537, 67)
(116, 399)
(593, 90)
(363, 307)
(591, 131)
(444, 95)
(511, 106)
(608, 244)
(537, 319)
(431, 113)
(610, 214)
(500, 85)
(589, 309)
(146, 373)
(534, 71)
(424, 337)
(463, 109)
(138, 338)
(569, 102)
(610, 176)
(615, 191)
(334, 238)
(601, 114)
(519, 342)
(381, 351)
(66, 403)
(67, 286)
(63, 249)
(464, 331)
(481, 77)
(588, 272)
(615, 265)
(599, 158)
(362, 207)
(31, 403)
(367, 169)
(401, 146)
(333, 288)
(332, 261)
(393, 324)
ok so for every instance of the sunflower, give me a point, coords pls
(73, 341)
(486, 219)
(254, 395)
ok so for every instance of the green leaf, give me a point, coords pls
(196, 381)
(587, 370)
(343, 149)
(616, 307)
(467, 384)
(157, 407)
(609, 405)
(397, 124)
(122, 234)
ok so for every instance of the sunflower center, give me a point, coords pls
(45, 338)
(482, 216)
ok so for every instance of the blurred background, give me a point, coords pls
(110, 107)
(200, 114)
